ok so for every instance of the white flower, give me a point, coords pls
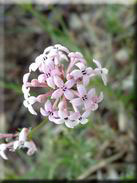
(84, 72)
(22, 138)
(28, 102)
(63, 88)
(89, 99)
(3, 148)
(101, 71)
(31, 147)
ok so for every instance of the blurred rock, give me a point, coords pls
(122, 55)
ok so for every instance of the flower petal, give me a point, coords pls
(76, 101)
(74, 116)
(76, 74)
(94, 106)
(97, 71)
(81, 90)
(69, 94)
(86, 114)
(56, 60)
(33, 67)
(70, 83)
(83, 121)
(100, 98)
(97, 63)
(104, 78)
(16, 144)
(91, 93)
(58, 81)
(71, 124)
(48, 49)
(31, 110)
(32, 100)
(3, 155)
(42, 78)
(23, 134)
(43, 112)
(50, 64)
(3, 148)
(50, 82)
(31, 147)
(85, 80)
(56, 94)
(89, 70)
(62, 114)
(58, 121)
(61, 105)
(26, 91)
(81, 66)
(26, 77)
(25, 103)
(39, 59)
(60, 47)
(48, 106)
(87, 104)
(105, 71)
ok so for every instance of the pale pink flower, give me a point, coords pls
(28, 102)
(83, 118)
(61, 48)
(85, 73)
(47, 50)
(56, 53)
(49, 111)
(101, 71)
(69, 120)
(58, 47)
(38, 62)
(22, 138)
(31, 147)
(90, 100)
(64, 89)
(3, 148)
(25, 78)
(20, 142)
(49, 73)
(26, 91)
(76, 57)
(65, 82)
(64, 117)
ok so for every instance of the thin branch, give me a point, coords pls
(100, 165)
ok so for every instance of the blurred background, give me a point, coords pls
(101, 149)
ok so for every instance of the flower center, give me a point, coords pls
(80, 118)
(64, 88)
(66, 118)
(44, 58)
(48, 75)
(50, 113)
(84, 97)
(84, 72)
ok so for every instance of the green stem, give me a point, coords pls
(32, 132)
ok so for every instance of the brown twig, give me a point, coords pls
(101, 164)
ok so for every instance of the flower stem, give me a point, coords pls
(7, 135)
(34, 130)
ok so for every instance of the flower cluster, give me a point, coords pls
(21, 141)
(65, 76)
